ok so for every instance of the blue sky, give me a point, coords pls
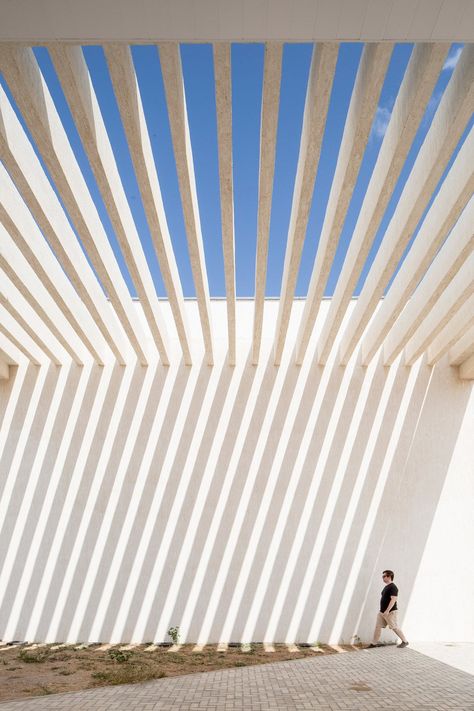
(247, 75)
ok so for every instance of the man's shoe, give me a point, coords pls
(402, 645)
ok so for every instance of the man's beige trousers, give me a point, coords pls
(389, 621)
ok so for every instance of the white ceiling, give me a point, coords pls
(237, 20)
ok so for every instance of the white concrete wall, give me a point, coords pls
(246, 503)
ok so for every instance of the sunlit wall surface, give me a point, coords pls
(246, 503)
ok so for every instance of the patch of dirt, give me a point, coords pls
(26, 671)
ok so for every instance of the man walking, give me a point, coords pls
(387, 617)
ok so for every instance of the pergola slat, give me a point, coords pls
(25, 169)
(415, 91)
(466, 369)
(8, 356)
(450, 120)
(463, 348)
(449, 335)
(4, 369)
(22, 228)
(16, 310)
(73, 74)
(170, 61)
(80, 318)
(223, 81)
(318, 94)
(127, 94)
(447, 263)
(268, 136)
(365, 97)
(35, 102)
(452, 300)
(443, 214)
(24, 279)
(12, 339)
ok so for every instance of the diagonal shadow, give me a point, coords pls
(226, 558)
(150, 452)
(68, 507)
(271, 482)
(324, 596)
(43, 450)
(173, 590)
(412, 492)
(121, 480)
(191, 611)
(158, 499)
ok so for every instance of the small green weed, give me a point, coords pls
(174, 634)
(119, 655)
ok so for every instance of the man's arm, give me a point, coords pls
(392, 602)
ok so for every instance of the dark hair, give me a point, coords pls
(390, 573)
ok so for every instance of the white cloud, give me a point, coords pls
(382, 117)
(452, 59)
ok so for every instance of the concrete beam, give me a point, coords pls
(4, 369)
(443, 214)
(451, 118)
(11, 338)
(318, 93)
(463, 349)
(24, 316)
(6, 355)
(26, 170)
(457, 325)
(170, 60)
(466, 369)
(444, 268)
(223, 80)
(24, 279)
(268, 136)
(34, 100)
(27, 237)
(453, 299)
(127, 94)
(73, 73)
(364, 101)
(420, 78)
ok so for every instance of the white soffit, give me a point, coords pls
(63, 293)
(237, 20)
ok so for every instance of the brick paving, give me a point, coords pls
(372, 680)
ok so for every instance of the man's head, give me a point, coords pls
(388, 575)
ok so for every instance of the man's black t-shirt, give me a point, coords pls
(388, 591)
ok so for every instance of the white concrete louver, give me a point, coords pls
(34, 100)
(364, 101)
(224, 142)
(268, 136)
(24, 166)
(318, 94)
(131, 110)
(416, 89)
(428, 308)
(450, 120)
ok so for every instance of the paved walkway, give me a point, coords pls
(457, 654)
(372, 680)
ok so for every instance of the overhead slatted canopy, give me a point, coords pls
(63, 286)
